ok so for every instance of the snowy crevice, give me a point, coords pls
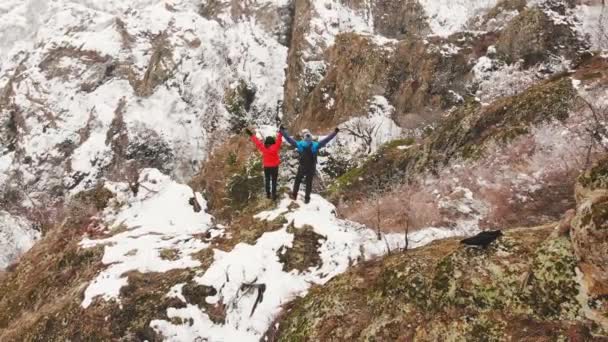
(446, 17)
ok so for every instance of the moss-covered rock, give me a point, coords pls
(243, 186)
(238, 102)
(589, 235)
(247, 229)
(304, 252)
(551, 288)
(596, 177)
(446, 291)
(98, 197)
(534, 37)
(197, 294)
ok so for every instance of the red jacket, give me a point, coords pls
(270, 154)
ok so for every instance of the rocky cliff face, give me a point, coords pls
(416, 55)
(120, 154)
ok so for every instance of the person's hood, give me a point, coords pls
(306, 135)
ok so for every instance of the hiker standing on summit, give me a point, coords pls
(308, 149)
(270, 160)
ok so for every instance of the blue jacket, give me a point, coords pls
(303, 144)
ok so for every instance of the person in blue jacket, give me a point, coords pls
(308, 149)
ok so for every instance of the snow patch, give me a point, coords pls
(497, 79)
(344, 244)
(331, 18)
(158, 218)
(363, 135)
(446, 17)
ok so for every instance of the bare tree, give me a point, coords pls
(406, 231)
(378, 203)
(363, 130)
(593, 130)
(377, 200)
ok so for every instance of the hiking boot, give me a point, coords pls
(268, 195)
(293, 196)
(275, 197)
(307, 200)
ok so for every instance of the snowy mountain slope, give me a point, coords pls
(150, 228)
(422, 56)
(147, 232)
(147, 73)
(99, 91)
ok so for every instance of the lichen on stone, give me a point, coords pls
(304, 252)
(445, 291)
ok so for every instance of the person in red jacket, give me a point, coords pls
(270, 159)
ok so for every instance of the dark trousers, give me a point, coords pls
(304, 173)
(270, 176)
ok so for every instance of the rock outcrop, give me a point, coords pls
(526, 285)
(590, 238)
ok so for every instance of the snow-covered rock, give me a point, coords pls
(446, 17)
(16, 237)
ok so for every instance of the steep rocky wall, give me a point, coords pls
(414, 77)
(386, 48)
(102, 91)
(308, 56)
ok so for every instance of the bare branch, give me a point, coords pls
(363, 130)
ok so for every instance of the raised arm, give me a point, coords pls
(328, 138)
(288, 138)
(257, 143)
(279, 140)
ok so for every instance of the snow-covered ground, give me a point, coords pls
(160, 218)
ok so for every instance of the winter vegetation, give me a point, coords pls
(132, 203)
